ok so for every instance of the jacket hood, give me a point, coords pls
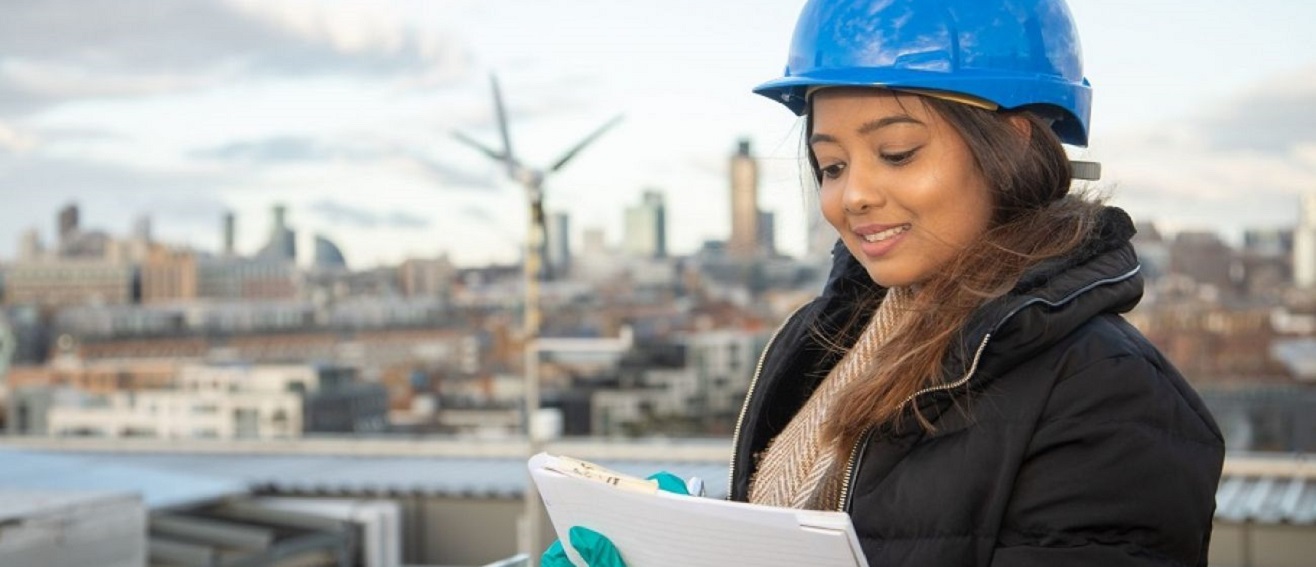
(1055, 297)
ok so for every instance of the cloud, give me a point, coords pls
(55, 135)
(28, 179)
(13, 140)
(1274, 117)
(1236, 165)
(449, 176)
(478, 214)
(58, 50)
(340, 213)
(278, 149)
(402, 219)
(374, 33)
(291, 150)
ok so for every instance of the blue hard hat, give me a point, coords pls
(1017, 54)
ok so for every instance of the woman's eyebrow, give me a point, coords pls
(873, 125)
(870, 127)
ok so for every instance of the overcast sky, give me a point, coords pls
(1204, 115)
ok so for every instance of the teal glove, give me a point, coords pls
(594, 547)
(597, 550)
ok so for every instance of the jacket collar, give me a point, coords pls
(1050, 300)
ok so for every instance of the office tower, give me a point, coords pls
(282, 244)
(559, 244)
(594, 242)
(767, 233)
(1304, 244)
(30, 248)
(142, 228)
(68, 223)
(744, 203)
(230, 233)
(646, 227)
(821, 236)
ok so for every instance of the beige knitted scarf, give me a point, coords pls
(799, 468)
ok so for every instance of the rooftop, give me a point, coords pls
(1255, 488)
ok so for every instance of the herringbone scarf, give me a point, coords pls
(799, 468)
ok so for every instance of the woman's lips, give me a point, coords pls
(878, 239)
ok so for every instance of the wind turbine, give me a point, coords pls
(536, 247)
(531, 179)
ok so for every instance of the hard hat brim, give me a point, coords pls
(1051, 96)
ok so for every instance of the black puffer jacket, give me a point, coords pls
(1062, 436)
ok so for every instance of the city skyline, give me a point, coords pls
(304, 249)
(343, 112)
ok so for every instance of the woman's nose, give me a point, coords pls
(863, 191)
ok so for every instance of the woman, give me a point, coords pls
(965, 387)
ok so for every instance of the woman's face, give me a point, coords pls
(898, 183)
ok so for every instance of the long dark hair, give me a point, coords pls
(1034, 218)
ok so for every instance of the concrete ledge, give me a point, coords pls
(712, 450)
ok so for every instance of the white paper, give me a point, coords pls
(664, 529)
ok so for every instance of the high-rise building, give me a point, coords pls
(558, 231)
(142, 228)
(595, 260)
(594, 242)
(283, 242)
(646, 227)
(68, 223)
(230, 233)
(1304, 244)
(822, 236)
(73, 242)
(30, 248)
(744, 203)
(767, 233)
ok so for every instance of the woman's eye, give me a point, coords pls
(832, 171)
(898, 158)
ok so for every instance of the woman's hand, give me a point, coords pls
(595, 548)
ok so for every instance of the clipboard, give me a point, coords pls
(652, 528)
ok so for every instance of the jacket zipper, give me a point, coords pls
(856, 453)
(852, 467)
(749, 394)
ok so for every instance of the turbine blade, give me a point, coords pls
(502, 127)
(587, 141)
(486, 150)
